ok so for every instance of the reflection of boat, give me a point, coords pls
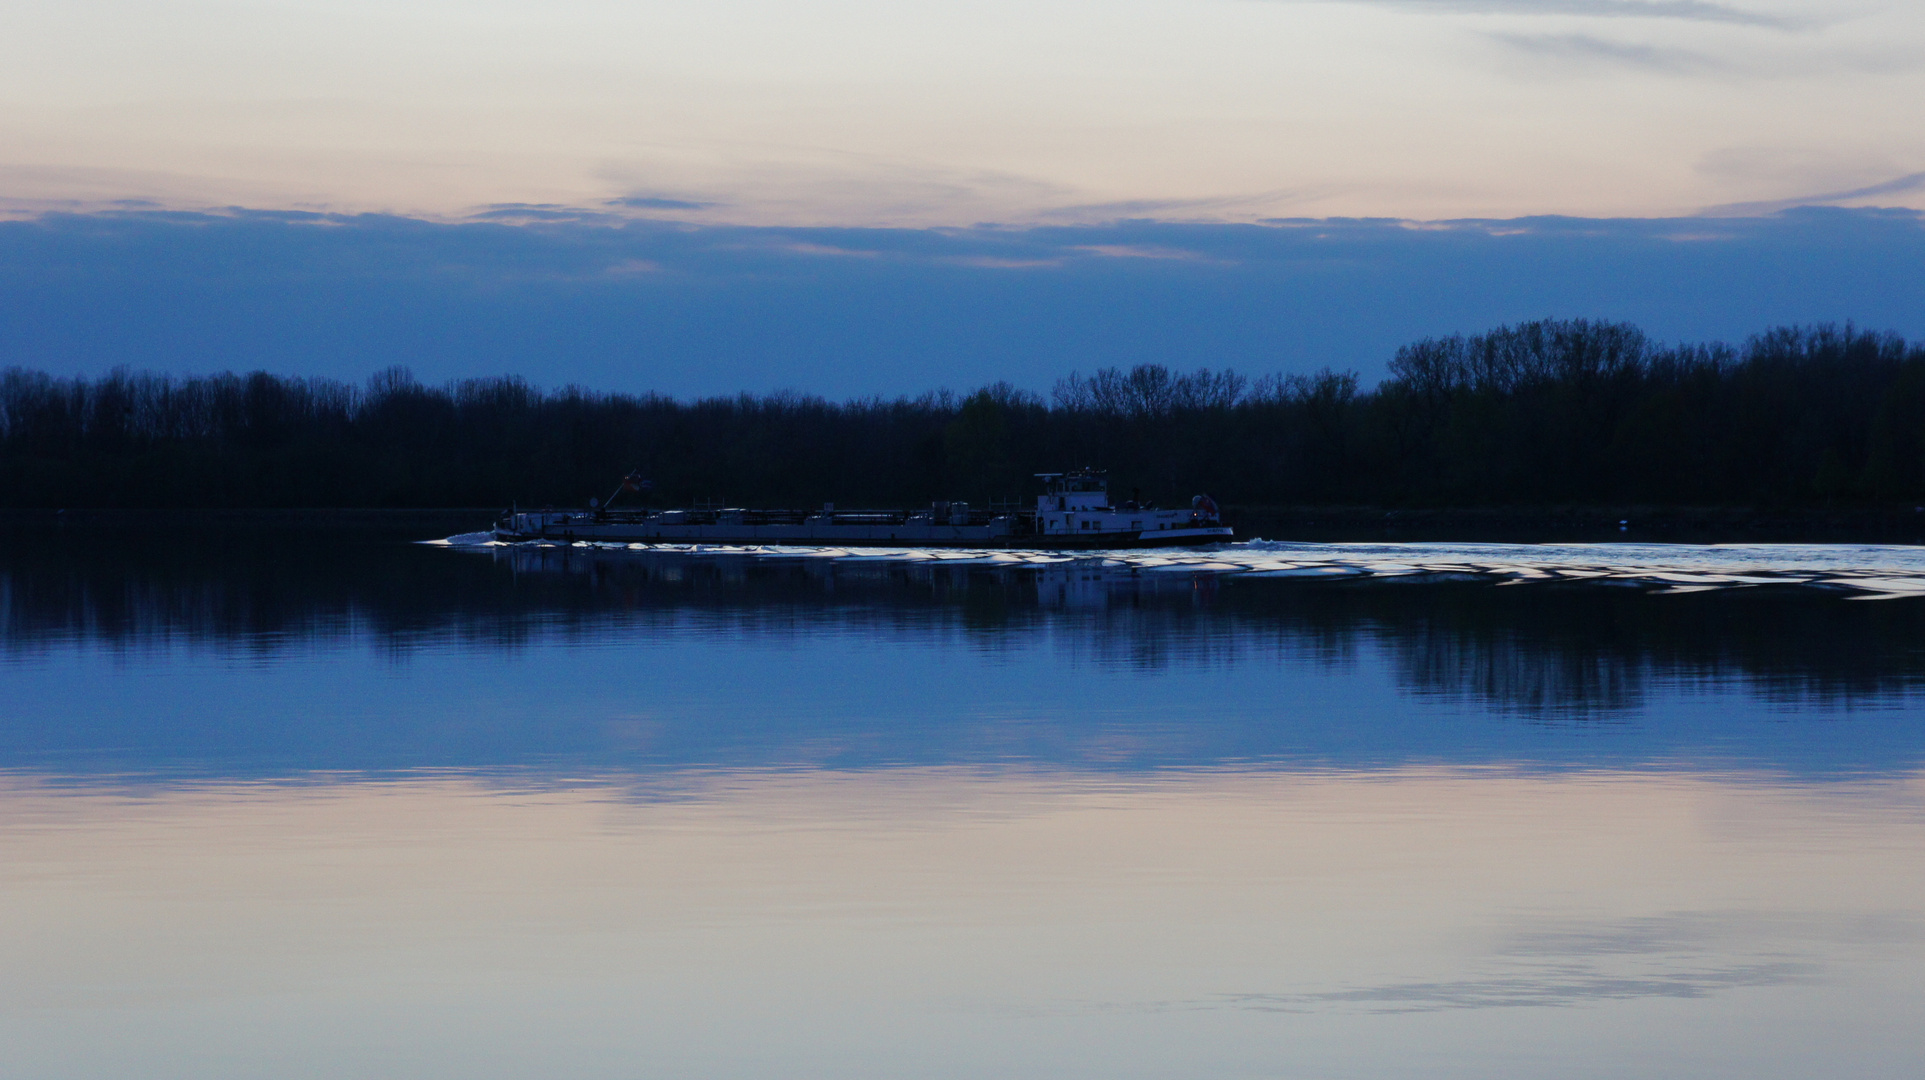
(1073, 512)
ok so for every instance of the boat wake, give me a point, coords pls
(1862, 572)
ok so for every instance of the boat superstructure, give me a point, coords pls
(1077, 504)
(1073, 512)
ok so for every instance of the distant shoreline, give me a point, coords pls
(1517, 524)
(1546, 524)
(1506, 431)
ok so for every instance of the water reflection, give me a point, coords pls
(1566, 648)
(427, 657)
(1589, 645)
(1414, 922)
(278, 803)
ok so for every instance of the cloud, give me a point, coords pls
(804, 187)
(629, 267)
(1566, 49)
(1220, 207)
(800, 247)
(656, 202)
(992, 262)
(1896, 186)
(1689, 10)
(527, 212)
(1140, 251)
(1554, 987)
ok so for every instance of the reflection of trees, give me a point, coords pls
(1543, 650)
(1572, 649)
(1568, 647)
(1496, 666)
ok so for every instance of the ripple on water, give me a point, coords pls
(1864, 571)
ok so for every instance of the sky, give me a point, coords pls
(420, 182)
(849, 312)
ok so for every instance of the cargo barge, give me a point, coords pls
(1074, 512)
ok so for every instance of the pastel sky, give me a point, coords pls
(916, 112)
(858, 196)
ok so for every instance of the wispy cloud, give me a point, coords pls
(1689, 10)
(536, 212)
(1568, 49)
(799, 247)
(1142, 251)
(657, 202)
(1555, 987)
(1897, 186)
(997, 262)
(1233, 207)
(788, 185)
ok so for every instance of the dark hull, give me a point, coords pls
(889, 536)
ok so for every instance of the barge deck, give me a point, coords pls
(1073, 513)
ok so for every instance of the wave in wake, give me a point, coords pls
(1865, 572)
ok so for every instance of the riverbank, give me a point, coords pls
(1645, 524)
(320, 524)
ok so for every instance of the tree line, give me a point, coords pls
(1544, 413)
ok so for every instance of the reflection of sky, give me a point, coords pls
(387, 809)
(1407, 922)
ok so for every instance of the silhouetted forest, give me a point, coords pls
(1538, 414)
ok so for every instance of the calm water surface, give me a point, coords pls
(280, 804)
